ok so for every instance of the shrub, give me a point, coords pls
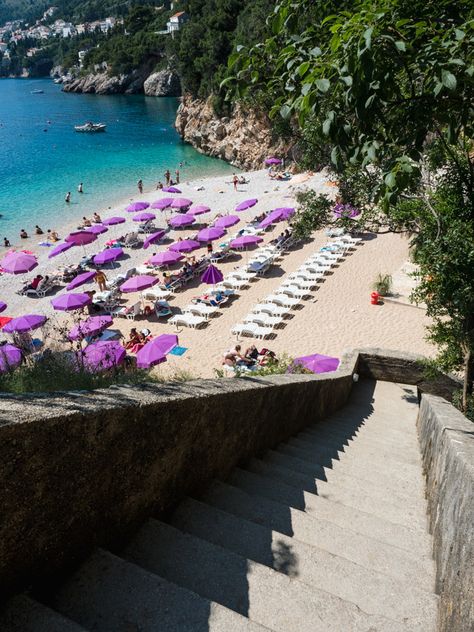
(383, 284)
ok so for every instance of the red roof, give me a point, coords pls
(177, 15)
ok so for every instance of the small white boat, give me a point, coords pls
(37, 91)
(90, 127)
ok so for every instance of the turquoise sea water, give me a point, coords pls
(42, 157)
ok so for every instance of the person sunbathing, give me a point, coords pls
(134, 339)
(96, 218)
(32, 285)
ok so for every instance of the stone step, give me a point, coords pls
(367, 439)
(371, 591)
(24, 614)
(367, 433)
(343, 476)
(355, 466)
(328, 501)
(357, 451)
(109, 594)
(344, 542)
(275, 489)
(307, 475)
(253, 590)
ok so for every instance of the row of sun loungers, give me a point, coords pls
(272, 312)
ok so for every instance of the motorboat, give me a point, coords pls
(37, 91)
(90, 127)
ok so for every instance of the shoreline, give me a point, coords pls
(117, 208)
(338, 315)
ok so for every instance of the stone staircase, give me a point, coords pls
(326, 533)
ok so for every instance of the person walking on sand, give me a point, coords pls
(235, 180)
(67, 199)
(140, 186)
(101, 280)
(177, 176)
(167, 177)
(79, 188)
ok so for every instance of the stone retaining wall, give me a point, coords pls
(79, 470)
(447, 443)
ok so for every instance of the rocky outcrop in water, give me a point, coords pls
(244, 139)
(103, 83)
(164, 83)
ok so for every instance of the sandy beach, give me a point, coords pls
(337, 316)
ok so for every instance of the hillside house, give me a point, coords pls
(176, 21)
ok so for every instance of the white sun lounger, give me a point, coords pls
(302, 284)
(187, 320)
(271, 309)
(292, 291)
(283, 299)
(251, 329)
(201, 310)
(156, 294)
(264, 320)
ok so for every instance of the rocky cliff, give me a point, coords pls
(244, 139)
(161, 84)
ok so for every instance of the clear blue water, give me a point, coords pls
(38, 167)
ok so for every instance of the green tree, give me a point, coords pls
(388, 89)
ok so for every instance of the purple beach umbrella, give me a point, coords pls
(107, 256)
(317, 363)
(272, 218)
(81, 238)
(70, 302)
(80, 279)
(245, 241)
(171, 190)
(186, 245)
(90, 327)
(273, 161)
(345, 210)
(162, 204)
(154, 352)
(287, 211)
(3, 306)
(137, 206)
(18, 263)
(166, 258)
(181, 203)
(212, 275)
(182, 220)
(97, 229)
(209, 234)
(138, 283)
(199, 209)
(153, 237)
(112, 221)
(243, 206)
(60, 248)
(144, 217)
(10, 357)
(226, 221)
(24, 323)
(103, 355)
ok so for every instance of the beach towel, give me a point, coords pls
(178, 351)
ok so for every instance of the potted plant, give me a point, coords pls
(383, 284)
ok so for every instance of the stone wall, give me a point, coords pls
(406, 368)
(81, 470)
(85, 469)
(447, 443)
